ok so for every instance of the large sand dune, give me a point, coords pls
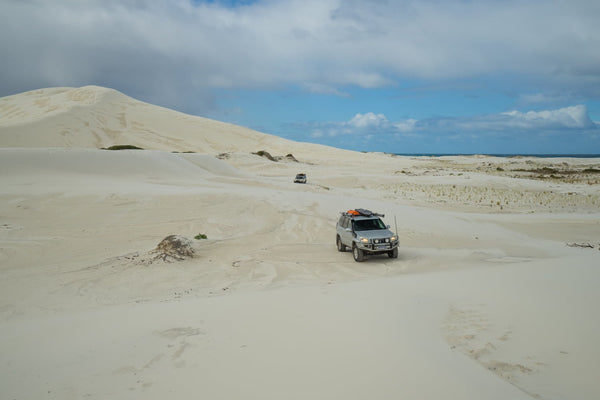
(96, 117)
(493, 295)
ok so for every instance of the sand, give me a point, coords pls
(493, 295)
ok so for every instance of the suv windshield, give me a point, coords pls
(368, 224)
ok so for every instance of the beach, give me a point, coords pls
(493, 294)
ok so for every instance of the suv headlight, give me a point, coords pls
(393, 238)
(364, 240)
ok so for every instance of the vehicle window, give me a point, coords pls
(368, 225)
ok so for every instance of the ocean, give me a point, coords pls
(500, 155)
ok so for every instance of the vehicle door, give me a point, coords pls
(346, 231)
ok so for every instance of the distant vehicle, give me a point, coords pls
(300, 178)
(365, 233)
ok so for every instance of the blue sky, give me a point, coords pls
(427, 76)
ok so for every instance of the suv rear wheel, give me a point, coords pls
(358, 254)
(340, 245)
(393, 253)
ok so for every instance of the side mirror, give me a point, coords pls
(388, 226)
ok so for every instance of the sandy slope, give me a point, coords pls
(96, 117)
(487, 300)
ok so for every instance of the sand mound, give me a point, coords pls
(174, 248)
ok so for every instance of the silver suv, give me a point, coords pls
(300, 178)
(365, 233)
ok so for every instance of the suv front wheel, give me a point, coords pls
(358, 254)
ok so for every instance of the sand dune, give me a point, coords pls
(488, 299)
(96, 117)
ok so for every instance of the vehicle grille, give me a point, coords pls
(381, 241)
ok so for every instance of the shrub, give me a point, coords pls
(122, 147)
(200, 236)
(173, 248)
(265, 154)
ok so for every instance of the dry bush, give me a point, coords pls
(173, 248)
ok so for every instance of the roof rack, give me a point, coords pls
(361, 212)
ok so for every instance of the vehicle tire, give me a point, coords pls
(340, 246)
(393, 253)
(358, 254)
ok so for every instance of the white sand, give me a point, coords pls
(487, 300)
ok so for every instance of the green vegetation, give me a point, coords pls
(200, 236)
(546, 170)
(265, 154)
(122, 147)
(291, 157)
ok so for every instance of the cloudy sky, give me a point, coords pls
(405, 76)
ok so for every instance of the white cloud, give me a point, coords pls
(317, 133)
(319, 88)
(406, 125)
(146, 47)
(545, 98)
(368, 121)
(572, 119)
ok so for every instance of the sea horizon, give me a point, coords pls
(503, 155)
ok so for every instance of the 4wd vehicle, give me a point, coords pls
(300, 178)
(365, 233)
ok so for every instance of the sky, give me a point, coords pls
(426, 76)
